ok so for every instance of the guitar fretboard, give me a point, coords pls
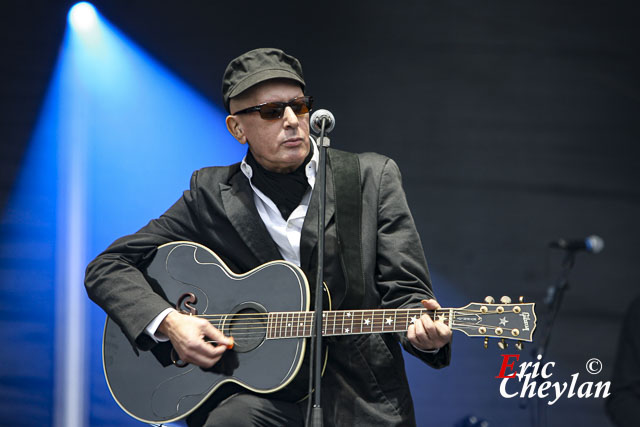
(355, 322)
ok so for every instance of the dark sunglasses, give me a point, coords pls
(275, 110)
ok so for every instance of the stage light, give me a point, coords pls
(83, 16)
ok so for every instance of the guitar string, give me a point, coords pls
(444, 312)
(276, 329)
(300, 320)
(281, 318)
(250, 319)
(380, 325)
(252, 334)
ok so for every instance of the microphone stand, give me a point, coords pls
(553, 300)
(316, 413)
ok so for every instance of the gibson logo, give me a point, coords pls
(469, 318)
(525, 320)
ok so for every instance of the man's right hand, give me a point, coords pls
(189, 336)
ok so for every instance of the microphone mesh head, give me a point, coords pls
(316, 121)
(595, 244)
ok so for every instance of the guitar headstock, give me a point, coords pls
(503, 320)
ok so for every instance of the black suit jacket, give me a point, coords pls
(364, 382)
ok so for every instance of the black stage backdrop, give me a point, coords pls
(514, 123)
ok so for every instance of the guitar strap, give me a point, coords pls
(345, 169)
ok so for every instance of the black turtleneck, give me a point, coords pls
(285, 189)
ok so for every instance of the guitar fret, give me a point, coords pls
(279, 325)
(326, 315)
(274, 322)
(352, 316)
(326, 322)
(411, 317)
(275, 325)
(334, 324)
(298, 325)
(335, 320)
(268, 325)
(373, 319)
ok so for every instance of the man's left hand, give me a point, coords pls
(428, 334)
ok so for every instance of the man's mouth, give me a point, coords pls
(293, 141)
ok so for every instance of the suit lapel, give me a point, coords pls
(237, 198)
(309, 236)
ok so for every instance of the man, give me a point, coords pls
(265, 209)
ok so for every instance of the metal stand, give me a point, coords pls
(555, 295)
(321, 179)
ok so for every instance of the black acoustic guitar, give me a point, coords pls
(266, 311)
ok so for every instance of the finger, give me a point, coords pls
(411, 333)
(444, 331)
(204, 354)
(430, 304)
(217, 336)
(422, 336)
(199, 351)
(429, 326)
(413, 338)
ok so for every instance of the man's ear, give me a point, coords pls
(235, 128)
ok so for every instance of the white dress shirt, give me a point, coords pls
(285, 233)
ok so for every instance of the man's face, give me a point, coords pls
(279, 145)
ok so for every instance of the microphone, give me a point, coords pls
(316, 121)
(593, 244)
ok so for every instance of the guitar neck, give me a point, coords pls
(509, 321)
(353, 322)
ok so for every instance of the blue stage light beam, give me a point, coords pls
(146, 131)
(116, 142)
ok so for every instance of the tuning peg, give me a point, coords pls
(521, 299)
(519, 345)
(502, 344)
(505, 300)
(489, 299)
(486, 342)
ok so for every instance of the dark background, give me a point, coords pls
(514, 123)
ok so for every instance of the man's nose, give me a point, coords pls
(290, 118)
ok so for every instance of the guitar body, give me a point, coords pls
(152, 387)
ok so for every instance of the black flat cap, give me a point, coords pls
(256, 66)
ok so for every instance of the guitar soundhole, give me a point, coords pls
(247, 325)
